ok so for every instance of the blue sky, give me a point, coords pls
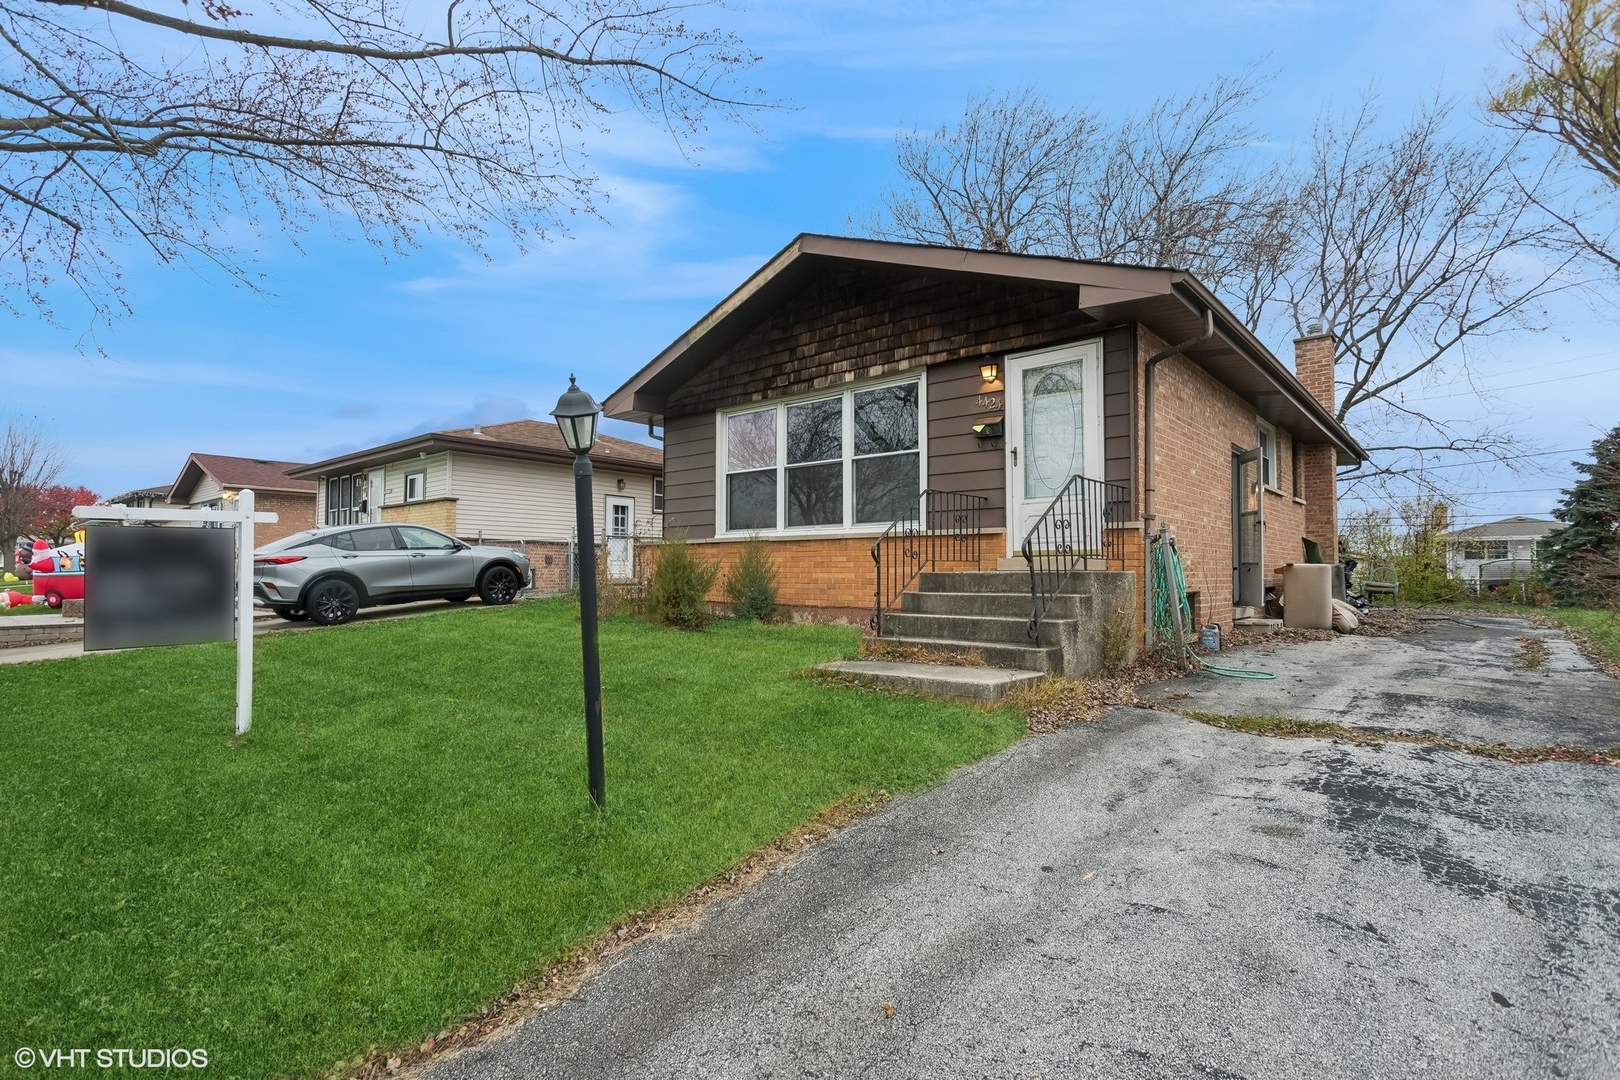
(351, 349)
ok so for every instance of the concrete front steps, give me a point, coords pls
(988, 611)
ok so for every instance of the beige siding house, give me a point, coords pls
(509, 483)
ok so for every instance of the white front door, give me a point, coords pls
(1054, 429)
(620, 517)
(374, 496)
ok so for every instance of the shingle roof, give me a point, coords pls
(235, 473)
(531, 440)
(161, 490)
(547, 436)
(1513, 528)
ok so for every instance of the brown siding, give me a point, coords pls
(862, 324)
(858, 324)
(689, 475)
(1119, 408)
(957, 459)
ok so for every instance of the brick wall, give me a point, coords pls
(1314, 359)
(1197, 424)
(297, 513)
(435, 513)
(549, 561)
(826, 578)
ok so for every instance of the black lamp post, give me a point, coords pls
(577, 413)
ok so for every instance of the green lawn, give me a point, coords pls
(405, 834)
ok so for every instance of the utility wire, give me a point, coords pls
(1514, 386)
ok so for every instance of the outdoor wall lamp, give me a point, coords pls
(619, 483)
(577, 414)
(990, 371)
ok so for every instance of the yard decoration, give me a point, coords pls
(58, 571)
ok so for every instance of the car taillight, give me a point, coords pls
(279, 560)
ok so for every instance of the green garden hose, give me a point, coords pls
(1169, 580)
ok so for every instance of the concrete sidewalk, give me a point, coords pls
(1147, 897)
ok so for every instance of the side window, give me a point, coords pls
(373, 540)
(658, 494)
(341, 541)
(420, 539)
(415, 485)
(1268, 455)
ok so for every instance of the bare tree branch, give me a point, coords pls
(344, 109)
(29, 462)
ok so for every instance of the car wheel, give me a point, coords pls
(332, 602)
(291, 614)
(459, 598)
(499, 585)
(53, 599)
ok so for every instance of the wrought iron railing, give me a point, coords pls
(946, 528)
(1081, 526)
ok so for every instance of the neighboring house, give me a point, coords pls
(1498, 551)
(209, 481)
(816, 401)
(509, 483)
(142, 498)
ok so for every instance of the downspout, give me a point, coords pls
(1147, 464)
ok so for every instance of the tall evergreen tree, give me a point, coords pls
(1582, 560)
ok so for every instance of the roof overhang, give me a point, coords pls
(1170, 302)
(435, 442)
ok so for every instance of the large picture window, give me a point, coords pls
(851, 459)
(345, 499)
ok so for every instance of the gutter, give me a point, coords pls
(1147, 464)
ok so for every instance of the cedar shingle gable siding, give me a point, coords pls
(863, 323)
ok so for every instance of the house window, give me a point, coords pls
(1296, 474)
(345, 499)
(658, 494)
(848, 459)
(1268, 455)
(415, 485)
(1485, 549)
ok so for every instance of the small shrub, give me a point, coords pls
(679, 584)
(751, 582)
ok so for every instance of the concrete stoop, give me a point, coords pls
(980, 685)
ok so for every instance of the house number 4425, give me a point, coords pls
(989, 401)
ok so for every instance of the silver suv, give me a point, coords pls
(328, 574)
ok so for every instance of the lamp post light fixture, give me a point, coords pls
(577, 414)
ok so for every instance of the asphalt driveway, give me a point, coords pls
(1461, 679)
(1148, 897)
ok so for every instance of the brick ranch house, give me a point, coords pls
(509, 484)
(846, 376)
(209, 481)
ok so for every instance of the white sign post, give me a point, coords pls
(242, 519)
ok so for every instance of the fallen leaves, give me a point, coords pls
(1283, 727)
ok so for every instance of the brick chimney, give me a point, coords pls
(1314, 356)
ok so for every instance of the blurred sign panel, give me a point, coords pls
(158, 586)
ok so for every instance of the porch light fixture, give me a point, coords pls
(990, 371)
(577, 414)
